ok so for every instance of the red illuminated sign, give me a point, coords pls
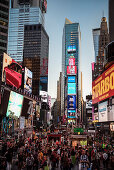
(71, 70)
(103, 86)
(71, 61)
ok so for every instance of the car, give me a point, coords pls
(12, 75)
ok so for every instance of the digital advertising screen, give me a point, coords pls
(71, 61)
(71, 103)
(44, 96)
(103, 86)
(28, 80)
(71, 79)
(71, 70)
(95, 117)
(71, 49)
(71, 115)
(43, 83)
(71, 88)
(11, 72)
(103, 112)
(14, 105)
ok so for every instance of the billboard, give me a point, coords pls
(103, 86)
(71, 49)
(71, 115)
(71, 70)
(43, 83)
(71, 79)
(71, 88)
(44, 96)
(95, 117)
(71, 103)
(71, 61)
(11, 72)
(22, 122)
(103, 112)
(89, 104)
(28, 107)
(28, 80)
(14, 105)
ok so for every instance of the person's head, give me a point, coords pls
(83, 152)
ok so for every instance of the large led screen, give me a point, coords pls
(71, 79)
(71, 49)
(71, 70)
(14, 105)
(11, 72)
(71, 61)
(28, 80)
(71, 103)
(43, 83)
(71, 88)
(71, 115)
(103, 112)
(103, 86)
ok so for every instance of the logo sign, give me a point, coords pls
(71, 70)
(103, 86)
(71, 111)
(71, 103)
(103, 116)
(71, 88)
(71, 79)
(71, 61)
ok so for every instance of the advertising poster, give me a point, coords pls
(103, 112)
(28, 80)
(71, 79)
(71, 88)
(71, 70)
(11, 72)
(43, 83)
(112, 127)
(14, 105)
(38, 111)
(44, 96)
(71, 61)
(89, 104)
(103, 86)
(71, 103)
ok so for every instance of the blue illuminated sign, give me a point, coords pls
(71, 79)
(71, 88)
(71, 48)
(71, 103)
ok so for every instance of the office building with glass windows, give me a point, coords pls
(4, 11)
(23, 12)
(71, 82)
(96, 34)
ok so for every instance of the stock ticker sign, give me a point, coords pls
(103, 86)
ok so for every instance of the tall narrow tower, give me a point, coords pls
(71, 83)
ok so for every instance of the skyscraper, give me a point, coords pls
(23, 12)
(111, 20)
(36, 52)
(4, 11)
(103, 42)
(71, 66)
(96, 34)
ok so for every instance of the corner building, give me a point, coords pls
(23, 12)
(71, 65)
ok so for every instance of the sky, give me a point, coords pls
(88, 14)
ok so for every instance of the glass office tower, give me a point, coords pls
(26, 12)
(71, 65)
(96, 34)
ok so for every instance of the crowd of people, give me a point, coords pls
(33, 154)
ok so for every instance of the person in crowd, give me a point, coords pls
(84, 161)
